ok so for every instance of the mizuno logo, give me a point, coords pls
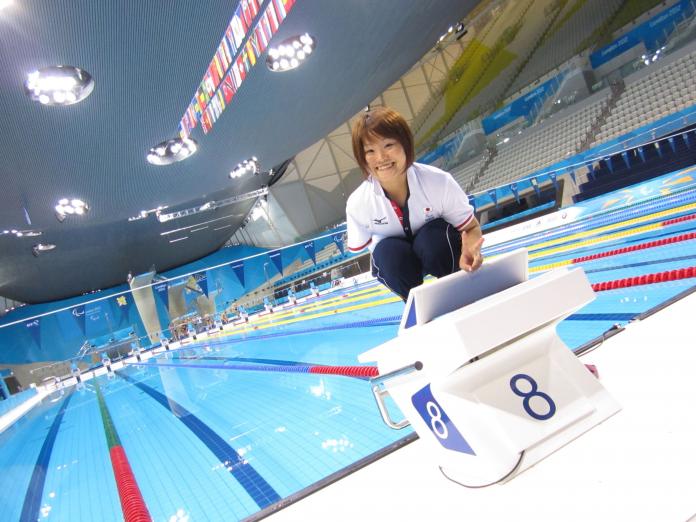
(380, 221)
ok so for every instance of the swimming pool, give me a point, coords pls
(232, 427)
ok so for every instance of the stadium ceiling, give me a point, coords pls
(147, 59)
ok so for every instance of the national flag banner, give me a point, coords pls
(272, 18)
(209, 85)
(229, 36)
(266, 26)
(255, 8)
(250, 53)
(205, 122)
(240, 66)
(236, 77)
(196, 106)
(280, 9)
(288, 4)
(261, 40)
(228, 88)
(221, 100)
(254, 43)
(238, 30)
(214, 74)
(246, 13)
(227, 51)
(220, 68)
(182, 134)
(192, 116)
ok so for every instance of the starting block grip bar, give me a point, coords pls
(379, 393)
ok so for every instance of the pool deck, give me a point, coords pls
(637, 465)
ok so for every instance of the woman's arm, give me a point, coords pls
(472, 240)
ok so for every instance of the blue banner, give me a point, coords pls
(653, 33)
(162, 291)
(79, 314)
(525, 106)
(277, 261)
(123, 303)
(34, 328)
(309, 249)
(444, 150)
(338, 239)
(202, 281)
(238, 269)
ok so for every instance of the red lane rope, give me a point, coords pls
(633, 248)
(349, 371)
(132, 503)
(647, 279)
(678, 220)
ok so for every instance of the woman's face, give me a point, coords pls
(385, 157)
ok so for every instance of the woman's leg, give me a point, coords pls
(396, 266)
(438, 245)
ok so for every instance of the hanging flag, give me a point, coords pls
(34, 327)
(687, 140)
(553, 176)
(277, 261)
(624, 155)
(229, 36)
(238, 268)
(535, 184)
(201, 279)
(610, 164)
(250, 53)
(340, 242)
(493, 194)
(253, 43)
(590, 169)
(272, 18)
(162, 291)
(79, 314)
(280, 9)
(672, 144)
(571, 173)
(641, 153)
(515, 192)
(228, 89)
(309, 249)
(266, 26)
(659, 149)
(260, 38)
(238, 29)
(240, 66)
(124, 304)
(206, 124)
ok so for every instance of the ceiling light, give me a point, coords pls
(171, 151)
(291, 53)
(59, 85)
(250, 166)
(41, 247)
(21, 233)
(66, 207)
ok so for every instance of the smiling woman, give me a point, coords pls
(415, 219)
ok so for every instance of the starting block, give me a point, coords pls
(479, 372)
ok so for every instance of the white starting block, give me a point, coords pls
(480, 373)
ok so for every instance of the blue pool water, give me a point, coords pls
(209, 438)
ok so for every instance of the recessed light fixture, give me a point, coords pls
(59, 85)
(249, 166)
(171, 151)
(21, 233)
(67, 207)
(41, 247)
(290, 53)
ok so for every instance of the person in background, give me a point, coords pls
(414, 218)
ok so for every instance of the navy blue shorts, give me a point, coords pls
(400, 264)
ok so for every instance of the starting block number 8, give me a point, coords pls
(528, 395)
(438, 422)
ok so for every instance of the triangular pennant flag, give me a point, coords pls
(610, 164)
(79, 314)
(641, 153)
(686, 139)
(34, 327)
(659, 149)
(338, 239)
(515, 191)
(535, 184)
(624, 155)
(571, 173)
(202, 281)
(238, 268)
(493, 194)
(277, 261)
(309, 249)
(672, 143)
(553, 176)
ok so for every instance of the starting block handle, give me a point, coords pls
(380, 394)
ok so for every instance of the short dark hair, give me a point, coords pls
(381, 122)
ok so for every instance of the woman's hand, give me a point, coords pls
(472, 240)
